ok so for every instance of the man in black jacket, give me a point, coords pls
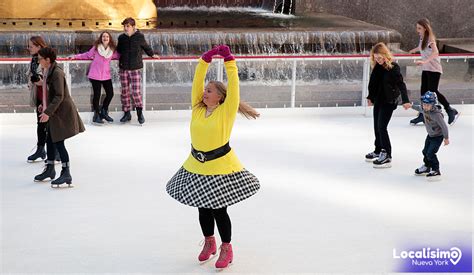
(131, 45)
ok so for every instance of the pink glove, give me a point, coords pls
(207, 56)
(224, 51)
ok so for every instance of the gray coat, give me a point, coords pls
(64, 120)
(434, 121)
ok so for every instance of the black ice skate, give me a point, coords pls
(126, 117)
(384, 161)
(370, 157)
(65, 177)
(434, 175)
(418, 119)
(453, 115)
(97, 119)
(39, 154)
(141, 118)
(422, 171)
(104, 114)
(48, 172)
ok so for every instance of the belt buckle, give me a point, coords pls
(200, 157)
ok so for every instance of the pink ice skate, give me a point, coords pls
(226, 256)
(208, 249)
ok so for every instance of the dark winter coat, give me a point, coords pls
(64, 120)
(386, 86)
(131, 50)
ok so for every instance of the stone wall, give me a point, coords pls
(450, 18)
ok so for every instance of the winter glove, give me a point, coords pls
(224, 51)
(207, 56)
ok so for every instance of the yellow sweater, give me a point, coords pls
(209, 133)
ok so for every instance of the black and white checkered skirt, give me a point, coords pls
(212, 191)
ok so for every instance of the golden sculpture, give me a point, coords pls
(67, 13)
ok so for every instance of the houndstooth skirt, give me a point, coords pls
(212, 191)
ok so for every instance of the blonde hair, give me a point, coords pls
(428, 35)
(382, 49)
(244, 109)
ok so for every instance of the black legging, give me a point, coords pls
(40, 127)
(430, 82)
(382, 115)
(109, 93)
(206, 219)
(51, 147)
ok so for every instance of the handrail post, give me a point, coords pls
(144, 85)
(293, 84)
(365, 85)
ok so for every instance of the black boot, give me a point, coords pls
(453, 115)
(48, 172)
(104, 114)
(97, 119)
(141, 118)
(65, 177)
(126, 117)
(40, 153)
(417, 119)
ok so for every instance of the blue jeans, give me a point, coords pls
(432, 145)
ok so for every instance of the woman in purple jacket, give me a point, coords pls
(103, 51)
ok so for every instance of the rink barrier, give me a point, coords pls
(365, 58)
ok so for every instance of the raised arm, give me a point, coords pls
(200, 76)
(232, 100)
(87, 55)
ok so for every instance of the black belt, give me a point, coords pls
(210, 155)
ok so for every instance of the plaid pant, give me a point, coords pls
(133, 77)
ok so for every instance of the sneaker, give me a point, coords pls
(418, 119)
(370, 157)
(423, 170)
(383, 161)
(453, 115)
(433, 175)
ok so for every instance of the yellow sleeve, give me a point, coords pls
(198, 82)
(232, 100)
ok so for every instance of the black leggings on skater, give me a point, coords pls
(430, 82)
(206, 219)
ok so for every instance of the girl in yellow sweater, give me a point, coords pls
(212, 177)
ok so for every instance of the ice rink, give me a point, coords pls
(321, 206)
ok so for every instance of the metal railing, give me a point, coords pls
(364, 59)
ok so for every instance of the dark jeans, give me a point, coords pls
(382, 115)
(51, 147)
(40, 127)
(430, 82)
(432, 145)
(206, 219)
(109, 93)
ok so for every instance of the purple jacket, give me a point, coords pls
(100, 66)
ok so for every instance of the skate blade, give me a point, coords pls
(62, 186)
(206, 261)
(434, 179)
(388, 165)
(97, 124)
(45, 180)
(419, 175)
(218, 269)
(370, 160)
(455, 119)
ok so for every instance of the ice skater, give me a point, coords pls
(431, 69)
(35, 82)
(60, 112)
(437, 133)
(101, 53)
(131, 45)
(385, 87)
(212, 178)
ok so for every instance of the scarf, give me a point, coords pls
(106, 53)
